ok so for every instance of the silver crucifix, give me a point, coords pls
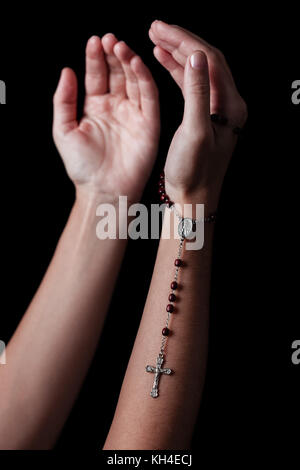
(158, 370)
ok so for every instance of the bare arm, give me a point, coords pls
(167, 422)
(194, 171)
(108, 153)
(49, 354)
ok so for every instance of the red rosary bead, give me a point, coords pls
(178, 262)
(170, 308)
(165, 331)
(162, 191)
(174, 285)
(172, 297)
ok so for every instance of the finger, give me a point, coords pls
(181, 43)
(208, 48)
(116, 79)
(197, 93)
(147, 87)
(166, 36)
(167, 61)
(65, 102)
(96, 68)
(178, 40)
(125, 54)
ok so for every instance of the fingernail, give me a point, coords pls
(197, 60)
(159, 22)
(94, 39)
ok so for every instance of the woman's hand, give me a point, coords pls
(201, 150)
(112, 149)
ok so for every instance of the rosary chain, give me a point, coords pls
(210, 218)
(164, 338)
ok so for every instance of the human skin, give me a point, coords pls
(195, 167)
(110, 152)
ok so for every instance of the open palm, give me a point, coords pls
(113, 147)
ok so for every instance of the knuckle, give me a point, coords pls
(199, 89)
(217, 58)
(218, 54)
(215, 55)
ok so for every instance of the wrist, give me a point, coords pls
(181, 197)
(95, 206)
(88, 195)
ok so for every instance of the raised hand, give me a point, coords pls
(200, 150)
(112, 149)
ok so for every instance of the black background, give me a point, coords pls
(251, 397)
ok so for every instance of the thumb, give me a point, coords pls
(65, 102)
(197, 92)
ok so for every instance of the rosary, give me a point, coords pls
(185, 229)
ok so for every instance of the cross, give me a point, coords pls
(158, 370)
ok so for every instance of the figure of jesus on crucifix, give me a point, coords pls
(158, 370)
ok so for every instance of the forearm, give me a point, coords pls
(165, 422)
(50, 352)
